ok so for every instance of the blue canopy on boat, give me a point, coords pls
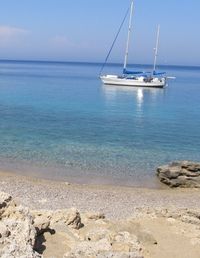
(158, 73)
(145, 74)
(131, 72)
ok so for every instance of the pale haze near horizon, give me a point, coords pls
(80, 30)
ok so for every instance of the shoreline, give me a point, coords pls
(73, 220)
(75, 177)
(114, 201)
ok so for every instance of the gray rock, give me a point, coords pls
(185, 174)
(17, 233)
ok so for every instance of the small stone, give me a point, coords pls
(94, 216)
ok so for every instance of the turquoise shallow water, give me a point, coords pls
(58, 121)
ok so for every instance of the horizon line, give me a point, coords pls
(92, 62)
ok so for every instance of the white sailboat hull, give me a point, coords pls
(133, 82)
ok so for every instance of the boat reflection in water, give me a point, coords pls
(113, 94)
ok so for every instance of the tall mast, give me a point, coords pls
(129, 34)
(156, 49)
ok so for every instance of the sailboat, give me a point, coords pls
(135, 78)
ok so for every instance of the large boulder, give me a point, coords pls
(185, 174)
(17, 233)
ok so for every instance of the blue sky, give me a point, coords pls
(83, 30)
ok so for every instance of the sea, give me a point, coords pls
(57, 121)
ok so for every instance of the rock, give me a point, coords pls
(73, 218)
(18, 238)
(185, 174)
(70, 217)
(102, 249)
(17, 233)
(105, 238)
(96, 234)
(126, 242)
(87, 249)
(23, 233)
(41, 224)
(94, 216)
(4, 232)
(21, 239)
(6, 201)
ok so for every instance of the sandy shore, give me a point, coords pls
(139, 222)
(113, 201)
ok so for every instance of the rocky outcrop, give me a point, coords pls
(17, 233)
(24, 232)
(70, 217)
(184, 174)
(69, 234)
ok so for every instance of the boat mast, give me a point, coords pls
(156, 49)
(129, 34)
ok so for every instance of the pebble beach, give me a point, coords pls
(61, 219)
(113, 201)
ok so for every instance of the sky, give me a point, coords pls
(83, 30)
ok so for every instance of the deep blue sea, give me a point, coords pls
(58, 121)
